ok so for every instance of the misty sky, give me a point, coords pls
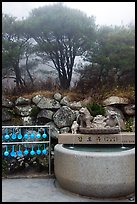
(106, 13)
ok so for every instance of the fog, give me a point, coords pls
(106, 13)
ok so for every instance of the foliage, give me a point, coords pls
(61, 34)
(128, 124)
(34, 111)
(16, 46)
(112, 59)
(4, 167)
(95, 109)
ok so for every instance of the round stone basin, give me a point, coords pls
(103, 171)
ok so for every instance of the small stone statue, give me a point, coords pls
(85, 117)
(74, 127)
(98, 122)
(111, 119)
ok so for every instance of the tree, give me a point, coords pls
(16, 46)
(62, 34)
(112, 57)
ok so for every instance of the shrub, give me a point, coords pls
(95, 109)
(129, 124)
(4, 167)
(34, 111)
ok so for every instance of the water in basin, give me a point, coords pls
(98, 148)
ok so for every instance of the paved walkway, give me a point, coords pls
(44, 190)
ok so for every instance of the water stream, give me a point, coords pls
(72, 146)
(122, 146)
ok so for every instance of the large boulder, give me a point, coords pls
(64, 117)
(36, 99)
(75, 105)
(47, 103)
(22, 101)
(54, 131)
(113, 100)
(44, 116)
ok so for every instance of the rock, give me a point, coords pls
(57, 96)
(75, 105)
(129, 109)
(64, 117)
(23, 110)
(109, 109)
(6, 116)
(22, 101)
(6, 103)
(36, 99)
(54, 131)
(65, 130)
(76, 112)
(65, 101)
(47, 103)
(115, 100)
(45, 114)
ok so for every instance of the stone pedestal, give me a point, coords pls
(120, 138)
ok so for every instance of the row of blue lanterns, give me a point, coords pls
(19, 136)
(20, 153)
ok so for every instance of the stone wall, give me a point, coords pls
(58, 112)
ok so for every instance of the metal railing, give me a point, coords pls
(32, 142)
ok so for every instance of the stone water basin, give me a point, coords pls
(96, 170)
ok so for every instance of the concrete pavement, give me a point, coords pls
(44, 190)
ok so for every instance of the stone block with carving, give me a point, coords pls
(85, 117)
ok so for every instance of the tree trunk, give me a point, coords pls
(64, 83)
(27, 58)
(19, 81)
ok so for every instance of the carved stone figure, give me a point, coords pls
(74, 127)
(85, 117)
(111, 121)
(98, 122)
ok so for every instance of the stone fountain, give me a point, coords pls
(92, 162)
